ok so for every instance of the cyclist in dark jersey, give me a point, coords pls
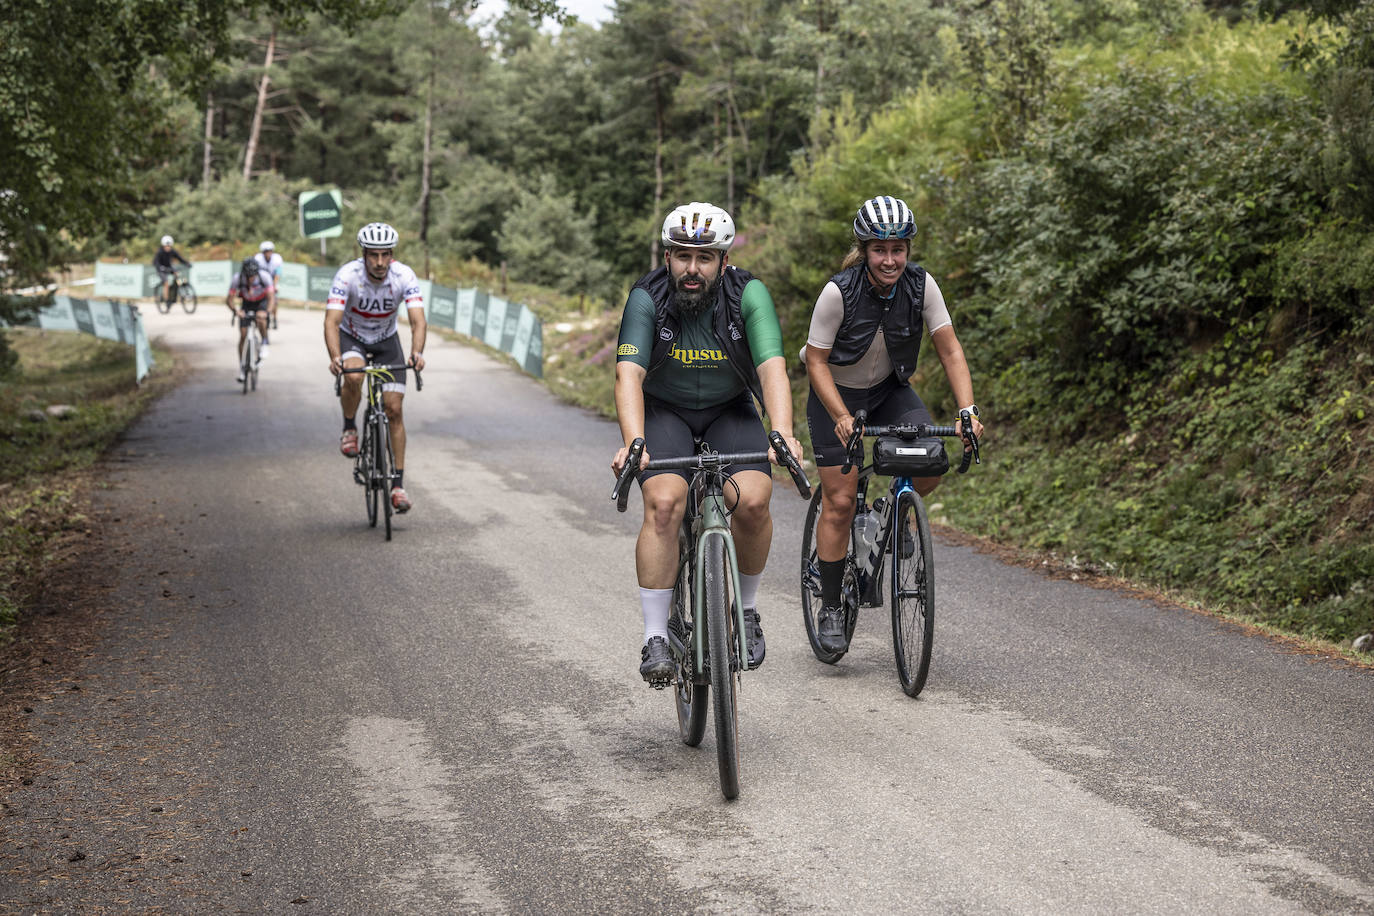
(163, 260)
(860, 354)
(699, 342)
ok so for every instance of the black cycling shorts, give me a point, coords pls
(887, 402)
(250, 311)
(730, 427)
(385, 352)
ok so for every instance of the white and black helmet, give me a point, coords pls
(377, 235)
(166, 240)
(884, 218)
(699, 225)
(266, 246)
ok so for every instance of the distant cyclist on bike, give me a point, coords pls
(860, 353)
(162, 263)
(253, 285)
(267, 256)
(699, 342)
(360, 322)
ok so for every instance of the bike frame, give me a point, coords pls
(870, 571)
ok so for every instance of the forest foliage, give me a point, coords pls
(1152, 219)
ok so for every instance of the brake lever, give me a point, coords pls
(790, 462)
(855, 438)
(621, 492)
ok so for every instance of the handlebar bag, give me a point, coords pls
(897, 457)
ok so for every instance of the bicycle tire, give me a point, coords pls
(365, 459)
(385, 460)
(246, 361)
(188, 298)
(164, 304)
(257, 359)
(811, 584)
(689, 697)
(724, 643)
(913, 596)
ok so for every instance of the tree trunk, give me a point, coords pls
(426, 155)
(659, 117)
(209, 133)
(256, 129)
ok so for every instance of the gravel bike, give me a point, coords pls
(706, 633)
(250, 359)
(895, 529)
(375, 465)
(177, 289)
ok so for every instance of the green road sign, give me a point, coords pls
(321, 214)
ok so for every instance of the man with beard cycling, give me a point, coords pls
(699, 342)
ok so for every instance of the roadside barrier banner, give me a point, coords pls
(506, 326)
(102, 318)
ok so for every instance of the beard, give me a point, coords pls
(691, 304)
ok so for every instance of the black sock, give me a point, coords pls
(399, 474)
(832, 578)
(350, 423)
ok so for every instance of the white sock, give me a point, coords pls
(655, 603)
(749, 590)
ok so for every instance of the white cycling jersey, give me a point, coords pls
(371, 309)
(270, 260)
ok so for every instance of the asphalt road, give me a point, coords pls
(281, 712)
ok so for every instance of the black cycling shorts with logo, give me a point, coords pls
(385, 352)
(730, 427)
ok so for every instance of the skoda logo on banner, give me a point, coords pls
(321, 214)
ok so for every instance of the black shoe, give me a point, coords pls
(753, 628)
(830, 630)
(656, 665)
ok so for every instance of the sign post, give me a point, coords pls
(321, 215)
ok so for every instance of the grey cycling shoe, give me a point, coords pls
(656, 663)
(830, 629)
(753, 629)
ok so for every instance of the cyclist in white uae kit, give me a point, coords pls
(360, 322)
(267, 256)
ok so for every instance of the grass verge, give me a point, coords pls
(65, 403)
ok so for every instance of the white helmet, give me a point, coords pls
(166, 240)
(266, 246)
(377, 235)
(884, 218)
(699, 225)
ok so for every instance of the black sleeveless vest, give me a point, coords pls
(727, 323)
(864, 310)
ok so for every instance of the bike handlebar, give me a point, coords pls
(338, 379)
(621, 492)
(913, 431)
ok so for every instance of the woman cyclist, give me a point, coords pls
(860, 353)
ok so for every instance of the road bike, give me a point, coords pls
(706, 631)
(177, 289)
(250, 358)
(375, 465)
(895, 530)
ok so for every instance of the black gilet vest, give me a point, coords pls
(865, 310)
(727, 323)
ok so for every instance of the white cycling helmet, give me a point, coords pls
(377, 235)
(266, 246)
(699, 225)
(884, 218)
(166, 240)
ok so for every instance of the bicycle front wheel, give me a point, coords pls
(188, 298)
(366, 456)
(689, 696)
(246, 359)
(257, 358)
(382, 475)
(724, 643)
(913, 593)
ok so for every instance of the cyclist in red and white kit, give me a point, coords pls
(360, 322)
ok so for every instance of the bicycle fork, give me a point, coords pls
(713, 522)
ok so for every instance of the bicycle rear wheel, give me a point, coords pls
(366, 456)
(383, 472)
(913, 593)
(811, 584)
(163, 303)
(188, 298)
(724, 642)
(688, 696)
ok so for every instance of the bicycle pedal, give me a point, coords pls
(660, 683)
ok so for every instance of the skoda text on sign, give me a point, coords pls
(321, 214)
